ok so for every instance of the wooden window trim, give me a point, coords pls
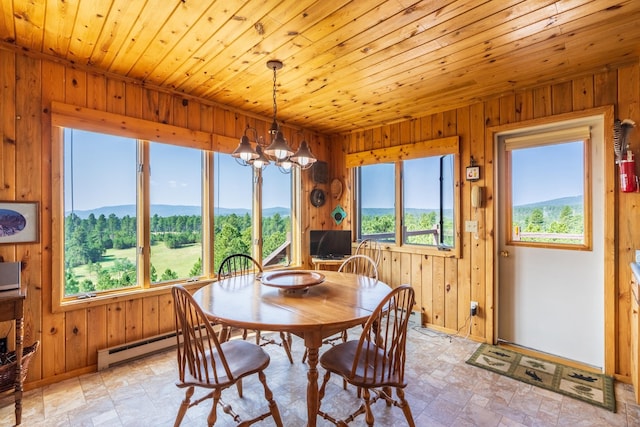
(396, 154)
(588, 233)
(432, 147)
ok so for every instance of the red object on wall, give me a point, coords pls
(628, 174)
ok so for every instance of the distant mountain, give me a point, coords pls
(121, 211)
(170, 210)
(563, 201)
(378, 211)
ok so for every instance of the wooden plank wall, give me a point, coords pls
(28, 85)
(445, 286)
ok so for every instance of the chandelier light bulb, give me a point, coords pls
(286, 165)
(303, 156)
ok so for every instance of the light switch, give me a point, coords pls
(471, 226)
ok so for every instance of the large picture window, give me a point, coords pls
(175, 189)
(277, 189)
(100, 226)
(233, 199)
(131, 214)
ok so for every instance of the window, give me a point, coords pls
(100, 226)
(175, 189)
(428, 187)
(376, 202)
(276, 217)
(410, 194)
(233, 199)
(130, 214)
(542, 214)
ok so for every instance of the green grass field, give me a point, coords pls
(180, 260)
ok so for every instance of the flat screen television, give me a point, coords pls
(330, 244)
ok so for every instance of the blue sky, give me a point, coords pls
(105, 176)
(104, 168)
(546, 173)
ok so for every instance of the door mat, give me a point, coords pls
(596, 389)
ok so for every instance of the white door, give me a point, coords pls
(551, 239)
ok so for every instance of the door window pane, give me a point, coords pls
(99, 211)
(548, 194)
(376, 207)
(276, 217)
(233, 198)
(176, 212)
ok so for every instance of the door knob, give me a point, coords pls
(504, 254)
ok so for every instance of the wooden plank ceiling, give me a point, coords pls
(348, 65)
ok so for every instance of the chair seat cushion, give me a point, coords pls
(244, 358)
(339, 360)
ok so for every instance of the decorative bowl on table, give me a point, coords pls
(292, 282)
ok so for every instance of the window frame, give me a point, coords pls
(69, 116)
(357, 180)
(396, 154)
(542, 139)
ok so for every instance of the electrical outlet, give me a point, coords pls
(3, 345)
(474, 308)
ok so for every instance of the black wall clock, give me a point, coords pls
(317, 197)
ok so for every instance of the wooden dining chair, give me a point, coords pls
(356, 264)
(360, 264)
(370, 248)
(376, 362)
(241, 264)
(205, 362)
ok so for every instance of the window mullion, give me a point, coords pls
(208, 223)
(399, 204)
(142, 215)
(256, 229)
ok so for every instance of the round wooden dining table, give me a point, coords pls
(332, 302)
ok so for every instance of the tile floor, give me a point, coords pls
(443, 391)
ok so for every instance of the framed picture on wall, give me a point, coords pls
(18, 222)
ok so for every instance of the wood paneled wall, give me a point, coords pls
(445, 285)
(28, 86)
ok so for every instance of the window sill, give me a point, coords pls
(137, 293)
(422, 250)
(126, 295)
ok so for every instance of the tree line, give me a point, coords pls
(425, 221)
(88, 240)
(552, 219)
(549, 219)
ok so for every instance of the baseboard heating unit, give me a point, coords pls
(135, 349)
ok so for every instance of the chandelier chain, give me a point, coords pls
(275, 106)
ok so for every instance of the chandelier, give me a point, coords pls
(278, 151)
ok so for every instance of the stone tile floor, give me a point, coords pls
(443, 391)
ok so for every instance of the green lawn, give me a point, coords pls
(180, 260)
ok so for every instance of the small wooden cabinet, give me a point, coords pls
(635, 327)
(12, 308)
